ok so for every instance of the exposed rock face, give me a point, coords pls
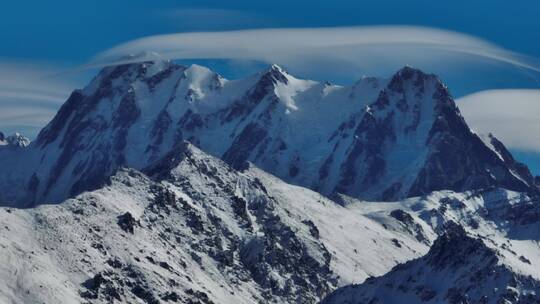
(274, 249)
(461, 162)
(377, 139)
(127, 222)
(457, 269)
(410, 225)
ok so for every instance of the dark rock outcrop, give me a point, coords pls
(127, 222)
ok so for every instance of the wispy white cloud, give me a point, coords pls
(24, 77)
(370, 49)
(511, 115)
(30, 95)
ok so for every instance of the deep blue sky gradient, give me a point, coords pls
(75, 30)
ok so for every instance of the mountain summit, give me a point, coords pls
(379, 139)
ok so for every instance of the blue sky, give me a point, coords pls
(62, 34)
(76, 30)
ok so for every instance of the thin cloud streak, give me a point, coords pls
(30, 94)
(26, 95)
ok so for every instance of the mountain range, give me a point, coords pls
(163, 183)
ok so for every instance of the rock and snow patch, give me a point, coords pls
(16, 140)
(457, 269)
(195, 230)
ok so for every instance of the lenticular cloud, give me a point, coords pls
(358, 46)
(512, 115)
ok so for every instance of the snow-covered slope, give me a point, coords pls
(457, 269)
(191, 229)
(488, 252)
(376, 139)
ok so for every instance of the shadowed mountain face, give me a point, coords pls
(378, 139)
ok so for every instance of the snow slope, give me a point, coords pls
(488, 251)
(193, 230)
(457, 269)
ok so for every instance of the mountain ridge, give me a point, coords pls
(193, 228)
(457, 269)
(194, 231)
(376, 139)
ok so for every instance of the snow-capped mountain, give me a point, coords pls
(15, 140)
(193, 230)
(174, 184)
(377, 139)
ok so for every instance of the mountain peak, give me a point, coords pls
(195, 68)
(413, 77)
(200, 76)
(454, 246)
(275, 67)
(142, 69)
(275, 74)
(142, 56)
(15, 140)
(162, 168)
(408, 71)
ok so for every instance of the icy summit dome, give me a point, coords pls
(134, 58)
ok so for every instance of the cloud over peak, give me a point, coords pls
(364, 47)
